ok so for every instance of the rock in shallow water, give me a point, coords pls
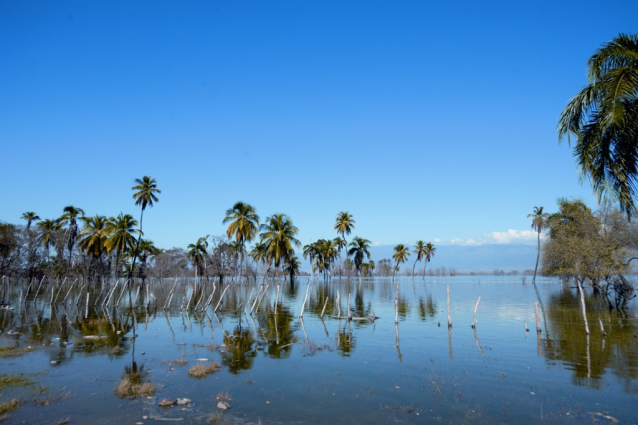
(167, 402)
(222, 405)
(183, 401)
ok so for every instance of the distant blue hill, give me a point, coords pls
(478, 258)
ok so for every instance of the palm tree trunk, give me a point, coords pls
(414, 267)
(538, 255)
(137, 247)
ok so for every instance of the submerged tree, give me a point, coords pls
(585, 248)
(145, 195)
(278, 234)
(400, 255)
(243, 227)
(359, 249)
(603, 117)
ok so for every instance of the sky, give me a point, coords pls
(431, 121)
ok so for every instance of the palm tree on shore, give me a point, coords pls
(603, 117)
(359, 249)
(121, 240)
(539, 222)
(144, 194)
(243, 227)
(30, 217)
(401, 254)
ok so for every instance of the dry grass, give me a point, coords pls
(13, 381)
(128, 388)
(8, 406)
(224, 396)
(178, 362)
(6, 352)
(201, 370)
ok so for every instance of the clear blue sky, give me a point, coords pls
(425, 120)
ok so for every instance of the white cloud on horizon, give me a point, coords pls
(376, 243)
(437, 240)
(511, 236)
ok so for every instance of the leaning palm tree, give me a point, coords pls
(430, 250)
(603, 117)
(401, 254)
(419, 250)
(279, 235)
(145, 195)
(30, 217)
(70, 216)
(539, 222)
(359, 248)
(120, 232)
(243, 227)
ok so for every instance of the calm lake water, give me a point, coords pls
(277, 368)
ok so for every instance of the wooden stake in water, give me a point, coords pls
(324, 306)
(582, 301)
(449, 317)
(304, 300)
(86, 314)
(396, 309)
(348, 305)
(602, 328)
(538, 318)
(476, 308)
(338, 306)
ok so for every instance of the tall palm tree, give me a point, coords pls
(359, 247)
(603, 117)
(121, 240)
(92, 237)
(539, 222)
(144, 194)
(243, 227)
(401, 254)
(70, 216)
(30, 217)
(430, 250)
(419, 250)
(344, 224)
(279, 235)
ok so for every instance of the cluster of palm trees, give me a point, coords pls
(423, 251)
(105, 242)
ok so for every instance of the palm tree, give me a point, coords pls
(310, 252)
(145, 249)
(121, 240)
(430, 250)
(359, 248)
(70, 216)
(30, 217)
(197, 253)
(48, 230)
(419, 250)
(145, 195)
(92, 237)
(292, 265)
(603, 117)
(344, 224)
(539, 222)
(279, 235)
(401, 254)
(244, 226)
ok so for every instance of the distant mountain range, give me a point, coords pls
(478, 258)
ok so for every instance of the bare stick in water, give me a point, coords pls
(304, 300)
(538, 318)
(475, 309)
(449, 317)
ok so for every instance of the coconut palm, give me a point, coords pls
(49, 230)
(279, 235)
(30, 217)
(401, 254)
(143, 251)
(70, 216)
(144, 194)
(197, 253)
(539, 222)
(430, 250)
(603, 118)
(419, 250)
(311, 252)
(359, 248)
(344, 224)
(121, 240)
(292, 265)
(243, 227)
(92, 237)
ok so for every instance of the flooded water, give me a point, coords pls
(278, 368)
